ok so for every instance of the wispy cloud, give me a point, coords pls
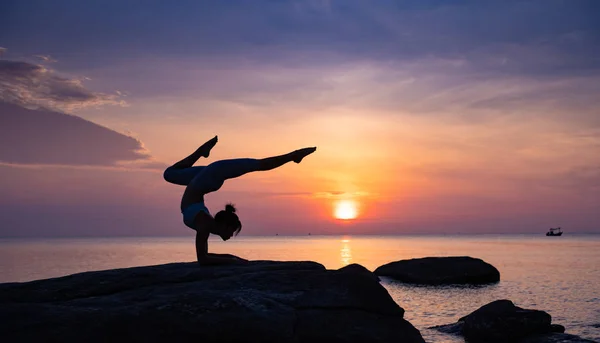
(46, 58)
(34, 85)
(341, 195)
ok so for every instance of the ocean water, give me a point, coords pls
(560, 275)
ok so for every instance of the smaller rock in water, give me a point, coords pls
(441, 271)
(555, 338)
(502, 321)
(452, 329)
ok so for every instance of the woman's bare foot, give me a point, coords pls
(206, 147)
(302, 153)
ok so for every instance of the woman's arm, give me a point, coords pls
(204, 258)
(204, 224)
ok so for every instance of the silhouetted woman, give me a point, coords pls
(202, 180)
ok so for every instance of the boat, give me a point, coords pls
(554, 232)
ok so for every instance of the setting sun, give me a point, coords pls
(345, 209)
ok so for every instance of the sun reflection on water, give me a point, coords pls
(345, 252)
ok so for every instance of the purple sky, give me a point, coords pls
(430, 116)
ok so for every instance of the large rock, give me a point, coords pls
(441, 271)
(502, 321)
(357, 268)
(261, 301)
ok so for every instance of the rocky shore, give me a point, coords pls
(262, 301)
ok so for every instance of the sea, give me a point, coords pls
(559, 275)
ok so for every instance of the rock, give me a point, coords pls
(452, 329)
(441, 271)
(555, 338)
(502, 321)
(357, 268)
(261, 301)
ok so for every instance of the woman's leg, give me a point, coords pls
(182, 172)
(230, 169)
(202, 151)
(277, 161)
(182, 177)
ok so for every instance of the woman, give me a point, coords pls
(210, 178)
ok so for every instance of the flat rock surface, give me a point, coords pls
(441, 271)
(262, 301)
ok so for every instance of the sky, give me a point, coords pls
(430, 116)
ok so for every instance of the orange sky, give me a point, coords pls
(470, 131)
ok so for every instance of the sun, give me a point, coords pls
(345, 210)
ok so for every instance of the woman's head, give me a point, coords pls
(228, 223)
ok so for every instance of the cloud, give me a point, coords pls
(431, 87)
(34, 85)
(535, 36)
(40, 136)
(584, 179)
(340, 195)
(2, 51)
(264, 52)
(79, 201)
(46, 58)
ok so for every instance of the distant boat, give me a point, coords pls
(554, 232)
